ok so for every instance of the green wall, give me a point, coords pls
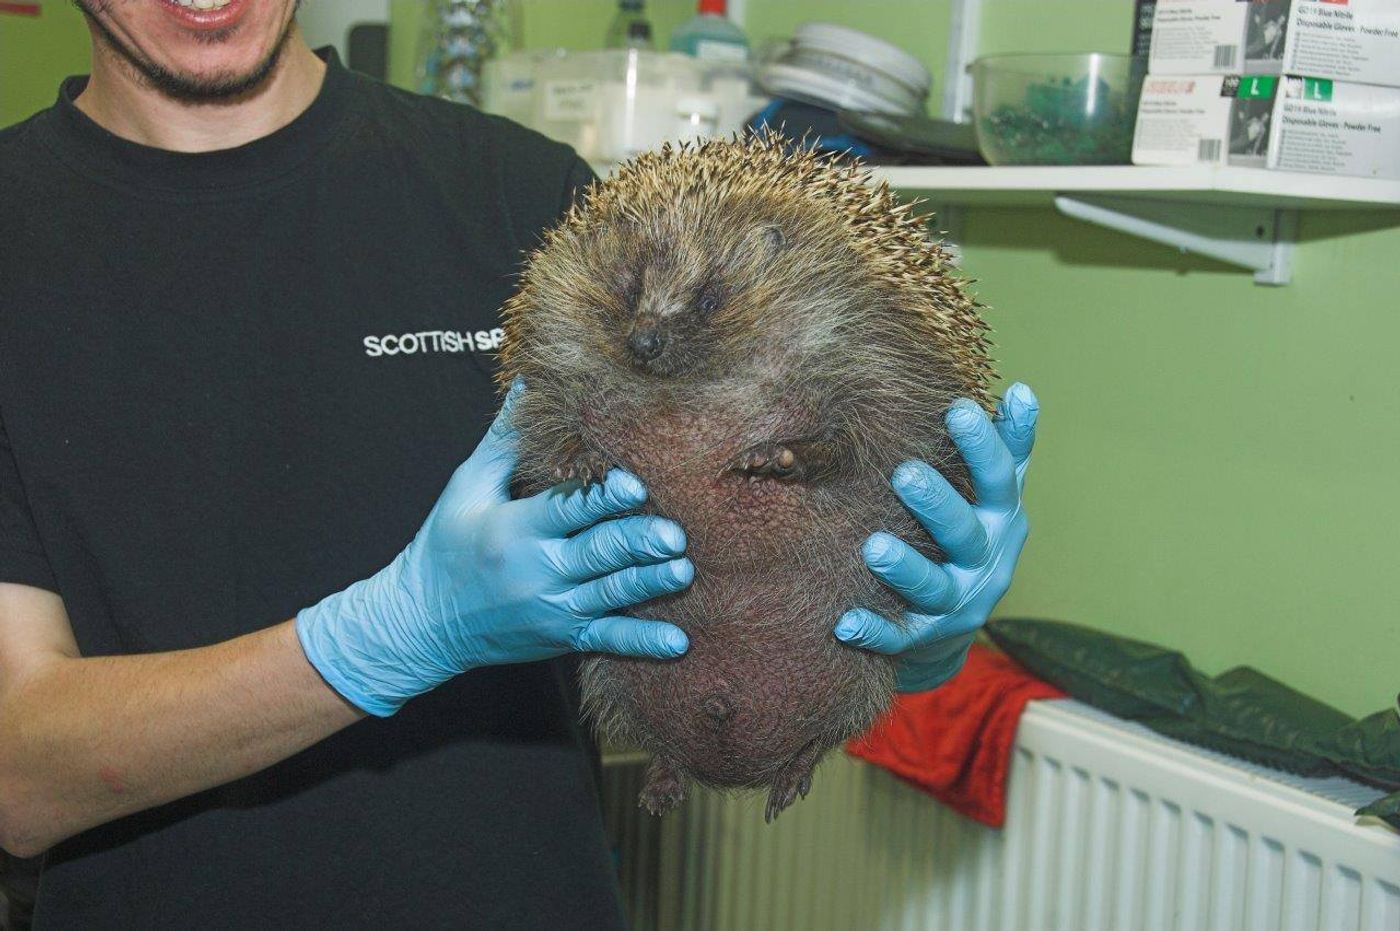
(1218, 460)
(35, 54)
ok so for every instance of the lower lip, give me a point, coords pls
(193, 18)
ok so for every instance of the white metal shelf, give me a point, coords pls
(1246, 217)
(1201, 184)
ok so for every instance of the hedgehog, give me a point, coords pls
(761, 334)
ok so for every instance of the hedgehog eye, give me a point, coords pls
(709, 301)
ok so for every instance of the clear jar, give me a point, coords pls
(458, 37)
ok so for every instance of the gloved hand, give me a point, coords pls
(948, 603)
(488, 580)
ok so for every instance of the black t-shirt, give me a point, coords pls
(232, 383)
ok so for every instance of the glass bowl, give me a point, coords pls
(1056, 109)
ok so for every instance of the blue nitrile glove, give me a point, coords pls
(488, 580)
(948, 603)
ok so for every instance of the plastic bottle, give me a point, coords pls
(710, 36)
(630, 27)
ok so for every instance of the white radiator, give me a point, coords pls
(1109, 826)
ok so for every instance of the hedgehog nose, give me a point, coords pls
(645, 344)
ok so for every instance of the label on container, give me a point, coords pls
(1348, 40)
(1183, 120)
(569, 100)
(1354, 41)
(1198, 36)
(1337, 128)
(713, 50)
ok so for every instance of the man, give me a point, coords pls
(246, 329)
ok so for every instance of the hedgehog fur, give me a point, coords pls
(761, 335)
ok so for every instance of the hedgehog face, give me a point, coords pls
(672, 301)
(669, 304)
(748, 258)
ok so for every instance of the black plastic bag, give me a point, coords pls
(1241, 712)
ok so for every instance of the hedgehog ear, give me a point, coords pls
(768, 239)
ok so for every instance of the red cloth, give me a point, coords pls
(954, 742)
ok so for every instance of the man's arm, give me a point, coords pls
(87, 740)
(488, 580)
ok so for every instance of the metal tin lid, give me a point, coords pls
(782, 80)
(861, 46)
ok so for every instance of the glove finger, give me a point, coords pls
(567, 509)
(860, 627)
(503, 423)
(919, 580)
(944, 513)
(989, 462)
(629, 636)
(617, 544)
(1016, 421)
(630, 586)
(493, 461)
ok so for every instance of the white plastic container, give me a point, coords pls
(612, 105)
(637, 102)
(565, 99)
(833, 66)
(697, 118)
(508, 83)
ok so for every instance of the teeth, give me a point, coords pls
(204, 4)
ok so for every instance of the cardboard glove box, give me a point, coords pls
(1286, 123)
(1345, 40)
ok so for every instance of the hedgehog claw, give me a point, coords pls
(776, 805)
(794, 782)
(587, 468)
(665, 787)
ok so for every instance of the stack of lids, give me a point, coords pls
(845, 69)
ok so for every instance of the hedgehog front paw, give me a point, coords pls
(665, 787)
(769, 460)
(586, 467)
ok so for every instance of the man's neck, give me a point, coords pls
(122, 101)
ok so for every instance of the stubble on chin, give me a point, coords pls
(193, 88)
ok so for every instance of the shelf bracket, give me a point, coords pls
(1257, 238)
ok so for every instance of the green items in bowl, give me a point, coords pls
(1056, 109)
